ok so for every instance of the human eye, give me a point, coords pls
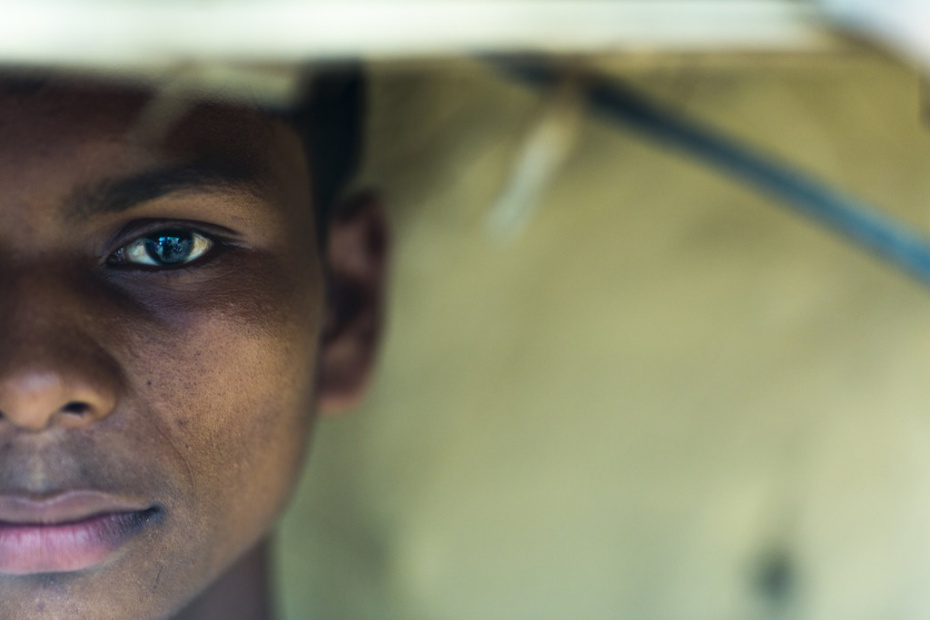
(166, 249)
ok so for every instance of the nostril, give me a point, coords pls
(76, 408)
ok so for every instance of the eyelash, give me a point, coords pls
(137, 253)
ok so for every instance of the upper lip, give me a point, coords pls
(66, 507)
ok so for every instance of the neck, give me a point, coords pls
(243, 591)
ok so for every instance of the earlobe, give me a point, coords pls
(357, 253)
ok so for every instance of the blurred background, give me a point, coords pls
(666, 398)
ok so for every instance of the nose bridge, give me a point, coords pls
(53, 371)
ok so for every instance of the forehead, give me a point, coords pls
(59, 139)
(72, 115)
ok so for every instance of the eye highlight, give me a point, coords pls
(164, 248)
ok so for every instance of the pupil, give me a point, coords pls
(169, 248)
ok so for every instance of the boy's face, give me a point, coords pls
(161, 314)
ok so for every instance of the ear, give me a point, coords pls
(356, 265)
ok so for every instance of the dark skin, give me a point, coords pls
(188, 388)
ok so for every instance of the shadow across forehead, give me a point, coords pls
(176, 143)
(130, 110)
(218, 130)
(64, 97)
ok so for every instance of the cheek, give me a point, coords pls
(229, 380)
(244, 415)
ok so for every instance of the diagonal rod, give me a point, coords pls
(844, 215)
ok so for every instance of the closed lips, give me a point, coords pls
(66, 532)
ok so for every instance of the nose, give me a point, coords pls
(38, 399)
(54, 372)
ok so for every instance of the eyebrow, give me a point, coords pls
(116, 196)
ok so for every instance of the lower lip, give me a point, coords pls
(29, 548)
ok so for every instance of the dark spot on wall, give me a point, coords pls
(775, 578)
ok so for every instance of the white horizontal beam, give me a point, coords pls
(150, 33)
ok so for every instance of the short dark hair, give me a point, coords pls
(330, 120)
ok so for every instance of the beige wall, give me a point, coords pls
(666, 400)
